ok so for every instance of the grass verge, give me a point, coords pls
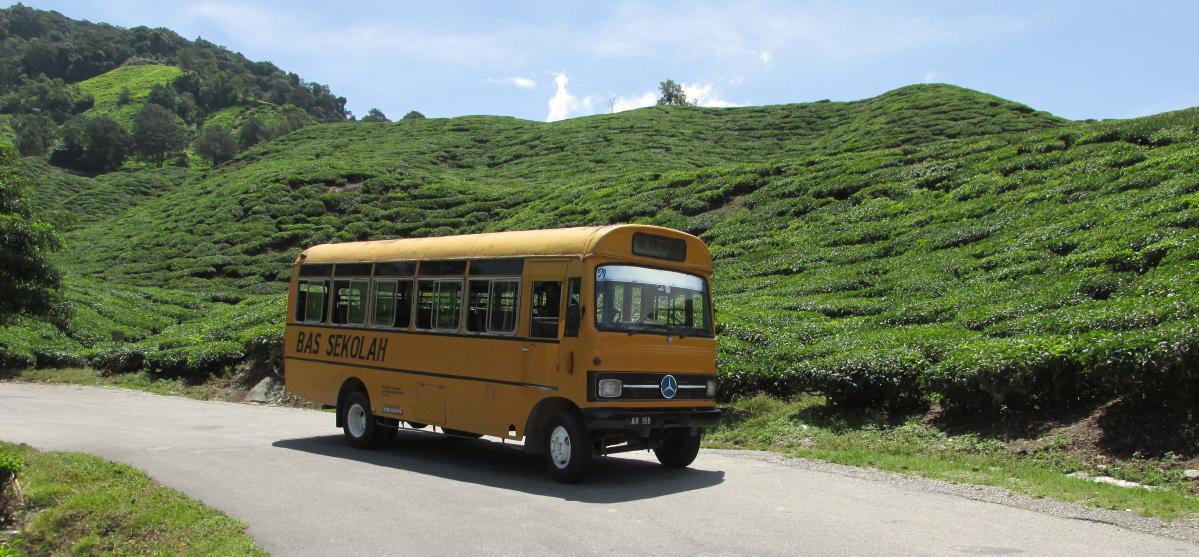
(807, 428)
(140, 381)
(83, 505)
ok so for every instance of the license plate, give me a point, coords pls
(641, 420)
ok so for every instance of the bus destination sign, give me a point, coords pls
(659, 247)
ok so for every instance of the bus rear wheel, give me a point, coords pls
(567, 449)
(358, 423)
(680, 451)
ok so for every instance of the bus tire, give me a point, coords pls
(358, 423)
(679, 451)
(567, 448)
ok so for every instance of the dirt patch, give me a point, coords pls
(349, 186)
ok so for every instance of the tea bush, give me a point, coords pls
(932, 243)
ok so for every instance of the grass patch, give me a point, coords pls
(84, 505)
(140, 381)
(138, 78)
(809, 429)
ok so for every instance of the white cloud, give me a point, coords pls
(621, 104)
(706, 94)
(564, 105)
(930, 76)
(764, 56)
(522, 82)
(701, 94)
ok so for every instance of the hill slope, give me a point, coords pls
(932, 242)
(45, 43)
(415, 178)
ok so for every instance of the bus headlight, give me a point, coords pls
(610, 388)
(711, 388)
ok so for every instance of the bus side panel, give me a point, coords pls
(489, 408)
(314, 381)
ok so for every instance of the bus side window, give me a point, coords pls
(403, 304)
(574, 307)
(449, 304)
(478, 297)
(504, 294)
(543, 311)
(310, 301)
(385, 303)
(424, 304)
(349, 302)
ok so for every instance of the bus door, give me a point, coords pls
(545, 281)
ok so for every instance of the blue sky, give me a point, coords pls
(551, 60)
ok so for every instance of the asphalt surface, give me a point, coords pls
(303, 491)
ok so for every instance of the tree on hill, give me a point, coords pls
(375, 115)
(413, 115)
(216, 144)
(164, 96)
(125, 97)
(50, 97)
(671, 94)
(35, 133)
(37, 44)
(28, 282)
(95, 145)
(252, 131)
(157, 134)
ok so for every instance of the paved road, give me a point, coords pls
(289, 475)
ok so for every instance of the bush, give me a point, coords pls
(10, 497)
(117, 359)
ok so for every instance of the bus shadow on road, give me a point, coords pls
(612, 479)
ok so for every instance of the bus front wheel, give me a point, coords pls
(678, 452)
(567, 448)
(358, 423)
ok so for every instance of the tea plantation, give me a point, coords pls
(930, 244)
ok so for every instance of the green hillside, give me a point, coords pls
(106, 89)
(932, 243)
(38, 44)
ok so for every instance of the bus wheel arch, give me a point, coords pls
(350, 385)
(542, 415)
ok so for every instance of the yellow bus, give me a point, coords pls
(580, 341)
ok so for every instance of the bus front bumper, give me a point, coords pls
(650, 418)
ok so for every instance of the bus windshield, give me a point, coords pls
(642, 300)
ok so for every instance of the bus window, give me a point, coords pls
(403, 304)
(448, 302)
(424, 304)
(385, 303)
(574, 307)
(644, 300)
(491, 306)
(438, 304)
(349, 302)
(310, 300)
(504, 294)
(543, 310)
(478, 297)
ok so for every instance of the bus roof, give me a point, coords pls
(613, 240)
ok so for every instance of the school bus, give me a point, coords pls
(580, 341)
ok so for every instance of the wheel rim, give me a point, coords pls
(560, 447)
(356, 419)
